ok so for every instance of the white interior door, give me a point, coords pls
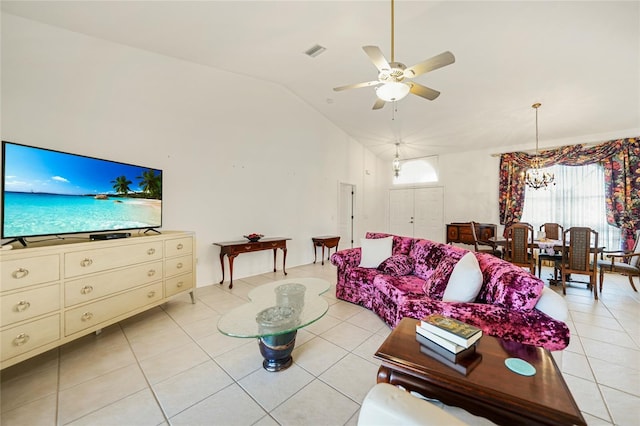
(401, 217)
(428, 208)
(417, 212)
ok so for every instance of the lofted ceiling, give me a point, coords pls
(580, 59)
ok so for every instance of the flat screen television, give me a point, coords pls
(48, 192)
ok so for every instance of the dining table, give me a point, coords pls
(550, 247)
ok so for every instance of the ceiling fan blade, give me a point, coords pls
(357, 85)
(376, 56)
(379, 104)
(438, 61)
(423, 91)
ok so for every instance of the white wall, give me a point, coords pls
(239, 155)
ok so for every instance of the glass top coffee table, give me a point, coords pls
(274, 314)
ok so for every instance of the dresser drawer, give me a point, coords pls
(92, 314)
(177, 284)
(178, 265)
(89, 261)
(21, 273)
(23, 338)
(100, 285)
(178, 246)
(29, 303)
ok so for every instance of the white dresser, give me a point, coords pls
(54, 292)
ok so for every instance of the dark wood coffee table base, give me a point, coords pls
(490, 390)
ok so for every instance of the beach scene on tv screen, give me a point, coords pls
(49, 192)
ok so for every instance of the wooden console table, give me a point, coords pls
(234, 248)
(328, 241)
(460, 232)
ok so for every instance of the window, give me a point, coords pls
(577, 199)
(419, 170)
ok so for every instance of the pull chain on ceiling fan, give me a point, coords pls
(391, 85)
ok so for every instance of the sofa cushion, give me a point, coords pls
(465, 280)
(401, 245)
(442, 258)
(552, 304)
(397, 265)
(374, 251)
(507, 285)
(426, 255)
(396, 288)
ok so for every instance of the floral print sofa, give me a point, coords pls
(415, 278)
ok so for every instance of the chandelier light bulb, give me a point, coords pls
(396, 163)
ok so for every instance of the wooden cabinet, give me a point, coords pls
(460, 232)
(52, 293)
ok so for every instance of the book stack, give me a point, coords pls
(449, 341)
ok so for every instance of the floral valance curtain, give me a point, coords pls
(621, 162)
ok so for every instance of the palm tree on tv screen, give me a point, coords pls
(121, 185)
(151, 183)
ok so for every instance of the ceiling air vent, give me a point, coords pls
(315, 50)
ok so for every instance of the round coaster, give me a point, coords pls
(520, 366)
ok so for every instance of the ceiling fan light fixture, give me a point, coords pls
(392, 91)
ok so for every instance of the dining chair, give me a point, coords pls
(578, 244)
(519, 246)
(552, 231)
(479, 244)
(627, 263)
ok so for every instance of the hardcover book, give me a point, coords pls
(451, 329)
(451, 356)
(447, 344)
(464, 366)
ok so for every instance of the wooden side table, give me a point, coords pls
(328, 241)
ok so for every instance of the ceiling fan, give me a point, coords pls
(392, 84)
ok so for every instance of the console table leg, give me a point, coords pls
(315, 252)
(274, 259)
(284, 260)
(323, 253)
(231, 257)
(222, 266)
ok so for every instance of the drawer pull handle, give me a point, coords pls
(180, 284)
(151, 251)
(87, 316)
(151, 294)
(179, 265)
(151, 272)
(180, 246)
(22, 306)
(247, 247)
(86, 262)
(20, 273)
(21, 339)
(86, 289)
(274, 244)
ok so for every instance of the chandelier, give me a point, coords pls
(396, 163)
(535, 177)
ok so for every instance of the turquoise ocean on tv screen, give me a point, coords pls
(28, 214)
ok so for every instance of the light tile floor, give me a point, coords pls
(170, 365)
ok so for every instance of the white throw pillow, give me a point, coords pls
(465, 281)
(552, 304)
(375, 251)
